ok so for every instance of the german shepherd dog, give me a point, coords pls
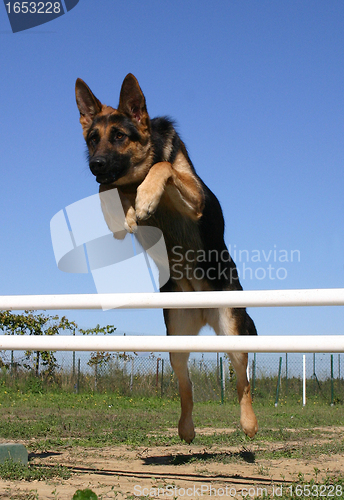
(148, 163)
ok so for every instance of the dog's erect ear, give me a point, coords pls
(132, 102)
(89, 106)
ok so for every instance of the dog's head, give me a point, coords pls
(118, 140)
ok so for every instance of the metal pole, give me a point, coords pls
(162, 377)
(224, 375)
(73, 372)
(332, 382)
(221, 377)
(286, 373)
(157, 375)
(304, 382)
(132, 375)
(217, 367)
(254, 374)
(95, 376)
(338, 366)
(78, 380)
(278, 381)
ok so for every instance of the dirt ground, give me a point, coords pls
(165, 472)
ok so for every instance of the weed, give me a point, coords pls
(9, 494)
(85, 495)
(16, 471)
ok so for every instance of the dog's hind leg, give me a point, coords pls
(187, 322)
(248, 419)
(226, 321)
(179, 362)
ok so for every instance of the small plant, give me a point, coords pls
(84, 495)
(16, 471)
(8, 494)
(13, 470)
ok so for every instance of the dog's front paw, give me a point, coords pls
(147, 201)
(130, 221)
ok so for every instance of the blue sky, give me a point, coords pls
(257, 91)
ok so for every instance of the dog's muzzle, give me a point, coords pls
(99, 169)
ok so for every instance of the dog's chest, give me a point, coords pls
(178, 231)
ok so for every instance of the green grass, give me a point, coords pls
(102, 419)
(52, 421)
(9, 494)
(14, 471)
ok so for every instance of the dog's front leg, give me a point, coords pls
(151, 189)
(129, 212)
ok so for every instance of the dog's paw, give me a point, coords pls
(146, 210)
(248, 422)
(146, 202)
(130, 223)
(186, 430)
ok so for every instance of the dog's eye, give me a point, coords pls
(119, 135)
(93, 141)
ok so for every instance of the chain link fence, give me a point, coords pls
(275, 378)
(281, 376)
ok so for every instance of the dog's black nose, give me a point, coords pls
(97, 165)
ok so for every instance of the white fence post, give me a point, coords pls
(304, 381)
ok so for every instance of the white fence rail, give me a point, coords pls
(181, 343)
(178, 343)
(174, 300)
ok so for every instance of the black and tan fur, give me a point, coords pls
(147, 162)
